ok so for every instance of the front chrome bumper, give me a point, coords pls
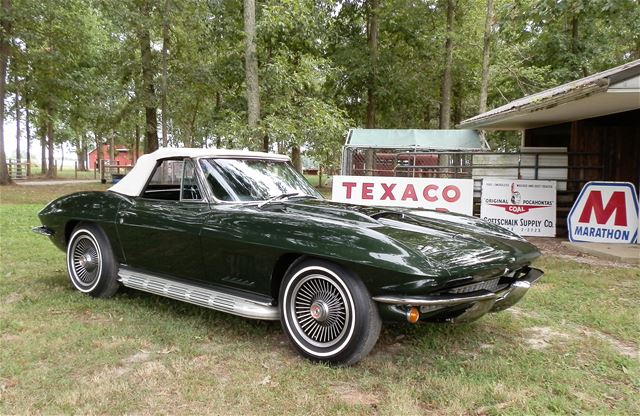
(479, 303)
(43, 230)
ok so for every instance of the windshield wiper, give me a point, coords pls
(303, 196)
(277, 198)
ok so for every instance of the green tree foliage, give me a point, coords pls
(82, 66)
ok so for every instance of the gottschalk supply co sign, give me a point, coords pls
(448, 195)
(524, 207)
(605, 212)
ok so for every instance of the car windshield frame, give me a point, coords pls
(217, 162)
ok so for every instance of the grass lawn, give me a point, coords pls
(571, 346)
(68, 172)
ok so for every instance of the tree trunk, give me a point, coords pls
(578, 62)
(18, 134)
(136, 147)
(98, 151)
(80, 153)
(373, 28)
(251, 71)
(427, 115)
(296, 158)
(51, 171)
(43, 147)
(445, 94)
(218, 101)
(486, 54)
(458, 99)
(4, 55)
(112, 149)
(149, 95)
(165, 70)
(27, 129)
(192, 123)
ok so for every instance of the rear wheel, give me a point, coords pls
(327, 313)
(91, 264)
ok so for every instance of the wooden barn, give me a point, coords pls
(123, 156)
(595, 120)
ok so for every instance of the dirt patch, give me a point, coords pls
(541, 337)
(624, 348)
(553, 247)
(144, 356)
(108, 374)
(522, 313)
(12, 298)
(353, 396)
(10, 338)
(389, 343)
(88, 317)
(152, 370)
(139, 357)
(268, 382)
(6, 384)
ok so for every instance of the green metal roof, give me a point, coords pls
(422, 139)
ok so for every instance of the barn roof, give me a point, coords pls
(413, 138)
(612, 91)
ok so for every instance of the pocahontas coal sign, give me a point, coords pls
(524, 207)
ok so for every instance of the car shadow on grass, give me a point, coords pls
(395, 337)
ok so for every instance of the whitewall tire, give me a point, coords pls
(327, 313)
(91, 265)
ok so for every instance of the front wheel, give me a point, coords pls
(327, 313)
(91, 264)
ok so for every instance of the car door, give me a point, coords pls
(160, 230)
(237, 253)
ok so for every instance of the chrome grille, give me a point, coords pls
(490, 285)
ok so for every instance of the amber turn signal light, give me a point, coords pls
(413, 315)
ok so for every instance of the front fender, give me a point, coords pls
(96, 207)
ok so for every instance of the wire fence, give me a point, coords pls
(570, 170)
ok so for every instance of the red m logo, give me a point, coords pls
(594, 204)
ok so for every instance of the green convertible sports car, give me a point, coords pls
(244, 233)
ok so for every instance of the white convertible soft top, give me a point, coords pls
(135, 180)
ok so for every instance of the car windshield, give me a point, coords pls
(254, 179)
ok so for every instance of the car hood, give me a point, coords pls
(456, 243)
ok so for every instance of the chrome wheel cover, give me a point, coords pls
(84, 261)
(319, 311)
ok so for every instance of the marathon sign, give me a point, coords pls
(447, 195)
(524, 207)
(605, 212)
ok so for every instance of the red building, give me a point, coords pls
(123, 156)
